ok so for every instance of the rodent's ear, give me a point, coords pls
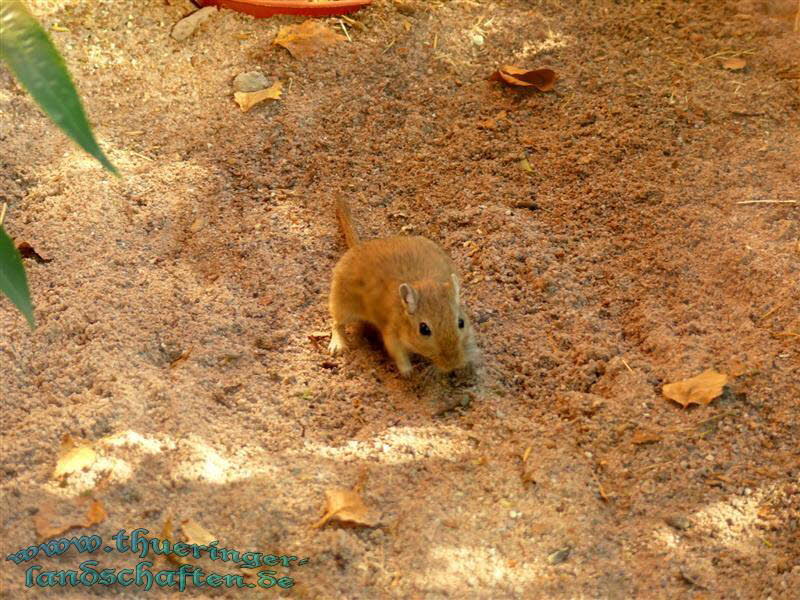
(456, 287)
(409, 297)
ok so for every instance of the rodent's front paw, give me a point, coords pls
(405, 370)
(337, 344)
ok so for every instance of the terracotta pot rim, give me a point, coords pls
(268, 8)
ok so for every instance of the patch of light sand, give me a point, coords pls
(119, 455)
(399, 445)
(486, 568)
(731, 522)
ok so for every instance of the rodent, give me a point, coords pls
(406, 287)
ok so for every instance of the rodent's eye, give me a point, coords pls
(461, 323)
(424, 329)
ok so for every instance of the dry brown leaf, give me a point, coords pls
(73, 456)
(543, 80)
(319, 338)
(187, 26)
(306, 39)
(95, 514)
(643, 436)
(765, 511)
(50, 523)
(789, 72)
(491, 122)
(247, 100)
(700, 389)
(181, 358)
(345, 505)
(196, 533)
(28, 251)
(734, 64)
(602, 492)
(168, 533)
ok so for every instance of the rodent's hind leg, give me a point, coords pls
(398, 352)
(337, 343)
(341, 315)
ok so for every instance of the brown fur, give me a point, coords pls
(368, 283)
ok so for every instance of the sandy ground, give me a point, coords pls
(183, 310)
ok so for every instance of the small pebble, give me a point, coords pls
(678, 522)
(251, 81)
(559, 556)
(186, 26)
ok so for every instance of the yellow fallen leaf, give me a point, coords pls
(247, 100)
(306, 39)
(345, 505)
(700, 389)
(168, 533)
(734, 64)
(95, 514)
(73, 456)
(196, 533)
(645, 437)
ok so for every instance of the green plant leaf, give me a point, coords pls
(30, 54)
(13, 281)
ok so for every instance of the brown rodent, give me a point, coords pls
(407, 287)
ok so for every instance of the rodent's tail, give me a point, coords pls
(346, 223)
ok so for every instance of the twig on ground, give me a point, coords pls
(654, 466)
(354, 23)
(342, 25)
(772, 310)
(767, 202)
(732, 53)
(797, 17)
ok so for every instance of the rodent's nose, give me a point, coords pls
(451, 362)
